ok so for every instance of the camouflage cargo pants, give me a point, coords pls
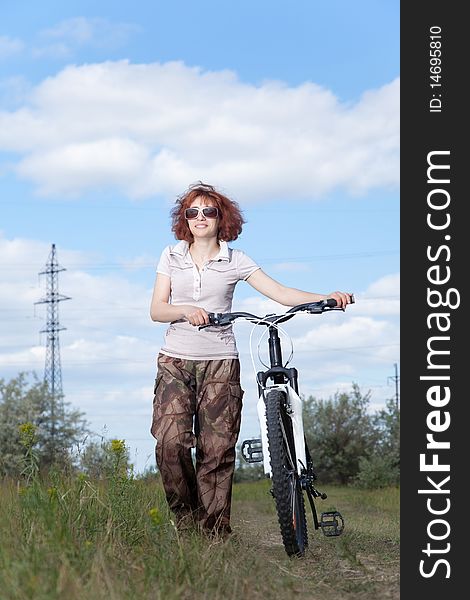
(197, 403)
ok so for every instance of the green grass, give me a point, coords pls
(73, 538)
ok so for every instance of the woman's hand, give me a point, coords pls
(342, 298)
(195, 315)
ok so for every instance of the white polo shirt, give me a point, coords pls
(210, 288)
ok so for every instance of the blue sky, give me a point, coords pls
(108, 111)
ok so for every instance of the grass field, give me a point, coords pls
(72, 538)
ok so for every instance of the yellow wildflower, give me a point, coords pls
(27, 434)
(155, 516)
(118, 446)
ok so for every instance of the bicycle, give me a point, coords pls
(282, 447)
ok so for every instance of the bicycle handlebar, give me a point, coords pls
(314, 308)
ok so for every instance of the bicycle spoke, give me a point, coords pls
(286, 444)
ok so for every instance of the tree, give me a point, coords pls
(382, 467)
(387, 423)
(101, 459)
(339, 432)
(23, 401)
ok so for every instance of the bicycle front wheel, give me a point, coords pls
(287, 489)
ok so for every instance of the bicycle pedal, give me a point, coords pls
(252, 450)
(332, 523)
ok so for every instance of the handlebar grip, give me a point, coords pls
(217, 319)
(331, 302)
(212, 320)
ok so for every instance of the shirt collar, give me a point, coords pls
(182, 249)
(223, 252)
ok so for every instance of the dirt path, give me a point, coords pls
(346, 567)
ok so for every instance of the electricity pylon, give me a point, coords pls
(396, 379)
(52, 369)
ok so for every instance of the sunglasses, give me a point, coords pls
(210, 212)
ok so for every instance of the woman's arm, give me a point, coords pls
(162, 311)
(290, 296)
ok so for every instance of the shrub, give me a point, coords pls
(377, 471)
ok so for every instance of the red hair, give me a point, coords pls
(230, 216)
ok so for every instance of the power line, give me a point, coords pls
(129, 361)
(145, 265)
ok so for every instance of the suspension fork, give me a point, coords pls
(277, 372)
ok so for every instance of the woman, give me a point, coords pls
(198, 398)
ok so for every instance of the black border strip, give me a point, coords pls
(433, 129)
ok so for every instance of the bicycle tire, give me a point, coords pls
(287, 490)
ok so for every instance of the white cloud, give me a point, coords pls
(62, 40)
(9, 46)
(56, 50)
(381, 298)
(351, 335)
(139, 262)
(145, 128)
(14, 91)
(388, 285)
